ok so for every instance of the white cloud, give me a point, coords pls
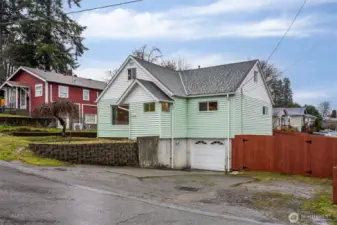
(311, 96)
(246, 6)
(195, 59)
(194, 22)
(305, 95)
(97, 70)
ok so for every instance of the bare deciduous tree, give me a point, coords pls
(153, 55)
(324, 108)
(110, 74)
(176, 64)
(59, 110)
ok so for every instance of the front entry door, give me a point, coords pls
(23, 99)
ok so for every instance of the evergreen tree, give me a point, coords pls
(9, 11)
(287, 92)
(46, 37)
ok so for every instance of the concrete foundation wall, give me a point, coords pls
(181, 156)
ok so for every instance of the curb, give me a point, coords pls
(38, 173)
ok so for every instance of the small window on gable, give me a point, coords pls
(132, 73)
(150, 107)
(265, 110)
(38, 90)
(256, 76)
(208, 106)
(165, 107)
(86, 95)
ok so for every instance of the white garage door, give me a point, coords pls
(208, 154)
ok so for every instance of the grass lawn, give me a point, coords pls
(10, 115)
(6, 129)
(9, 146)
(321, 204)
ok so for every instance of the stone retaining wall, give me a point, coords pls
(109, 154)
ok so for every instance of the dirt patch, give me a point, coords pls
(276, 199)
(297, 189)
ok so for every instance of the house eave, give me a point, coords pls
(205, 95)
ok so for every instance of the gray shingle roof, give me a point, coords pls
(69, 80)
(167, 77)
(155, 90)
(216, 79)
(209, 80)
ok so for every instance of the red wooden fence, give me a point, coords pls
(285, 153)
(334, 185)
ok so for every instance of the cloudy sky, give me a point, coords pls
(212, 32)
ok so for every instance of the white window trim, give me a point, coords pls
(39, 86)
(88, 99)
(66, 87)
(85, 117)
(208, 111)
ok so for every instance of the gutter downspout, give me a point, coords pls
(172, 138)
(228, 133)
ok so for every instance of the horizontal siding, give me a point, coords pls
(166, 124)
(144, 123)
(121, 83)
(208, 124)
(105, 127)
(138, 94)
(180, 118)
(256, 90)
(254, 122)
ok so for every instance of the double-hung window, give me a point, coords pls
(38, 90)
(86, 95)
(63, 91)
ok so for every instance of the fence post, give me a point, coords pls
(334, 183)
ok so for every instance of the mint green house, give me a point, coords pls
(195, 113)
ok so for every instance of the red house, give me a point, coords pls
(28, 88)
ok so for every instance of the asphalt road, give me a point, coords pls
(32, 200)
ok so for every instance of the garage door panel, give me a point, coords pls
(208, 156)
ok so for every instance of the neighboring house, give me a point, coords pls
(28, 88)
(195, 112)
(292, 117)
(330, 123)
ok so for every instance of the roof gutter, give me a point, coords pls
(206, 95)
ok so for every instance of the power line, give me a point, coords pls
(300, 58)
(285, 34)
(104, 7)
(74, 12)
